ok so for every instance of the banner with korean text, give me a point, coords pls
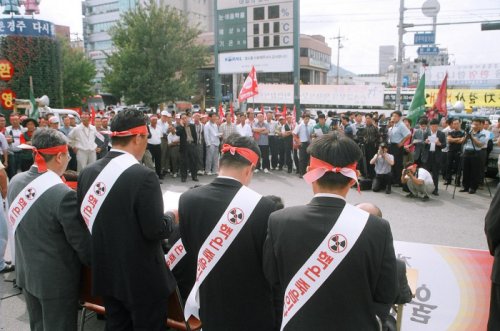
(452, 288)
(470, 98)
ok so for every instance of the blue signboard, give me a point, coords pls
(426, 38)
(429, 50)
(28, 27)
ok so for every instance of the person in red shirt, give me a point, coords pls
(25, 138)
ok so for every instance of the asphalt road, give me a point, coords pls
(442, 220)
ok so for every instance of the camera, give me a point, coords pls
(360, 135)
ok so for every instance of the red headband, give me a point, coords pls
(244, 152)
(40, 162)
(317, 168)
(130, 132)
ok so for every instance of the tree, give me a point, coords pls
(78, 72)
(156, 56)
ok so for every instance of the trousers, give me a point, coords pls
(84, 158)
(212, 164)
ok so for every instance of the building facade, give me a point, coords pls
(100, 15)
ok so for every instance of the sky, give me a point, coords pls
(367, 24)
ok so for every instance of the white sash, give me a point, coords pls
(98, 191)
(325, 259)
(175, 254)
(218, 241)
(99, 136)
(29, 195)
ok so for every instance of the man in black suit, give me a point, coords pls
(187, 148)
(348, 297)
(235, 294)
(128, 265)
(492, 230)
(435, 141)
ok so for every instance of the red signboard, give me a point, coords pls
(7, 98)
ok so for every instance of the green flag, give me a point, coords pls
(417, 107)
(34, 108)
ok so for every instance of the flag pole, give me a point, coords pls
(31, 89)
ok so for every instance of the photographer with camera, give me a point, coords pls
(473, 141)
(383, 162)
(418, 180)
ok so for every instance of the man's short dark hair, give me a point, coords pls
(477, 119)
(125, 120)
(277, 201)
(397, 112)
(409, 120)
(449, 121)
(306, 115)
(423, 121)
(337, 150)
(47, 138)
(434, 121)
(321, 116)
(369, 116)
(330, 113)
(236, 160)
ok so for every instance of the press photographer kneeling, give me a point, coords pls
(383, 162)
(419, 181)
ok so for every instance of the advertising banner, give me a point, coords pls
(470, 98)
(452, 287)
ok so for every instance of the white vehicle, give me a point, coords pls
(61, 113)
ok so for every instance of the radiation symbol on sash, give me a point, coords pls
(337, 243)
(235, 216)
(30, 193)
(99, 188)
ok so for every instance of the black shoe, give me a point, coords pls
(471, 191)
(196, 179)
(464, 190)
(388, 191)
(8, 268)
(435, 192)
(425, 198)
(410, 195)
(183, 180)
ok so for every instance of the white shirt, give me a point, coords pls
(163, 127)
(156, 134)
(425, 176)
(304, 131)
(16, 137)
(328, 195)
(83, 138)
(172, 138)
(244, 130)
(211, 134)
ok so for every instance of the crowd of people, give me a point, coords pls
(281, 271)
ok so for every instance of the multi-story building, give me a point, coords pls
(386, 58)
(101, 15)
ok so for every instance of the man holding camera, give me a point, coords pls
(419, 181)
(473, 141)
(383, 162)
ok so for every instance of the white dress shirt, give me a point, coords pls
(83, 138)
(156, 134)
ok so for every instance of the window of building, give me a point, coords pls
(266, 28)
(256, 42)
(105, 8)
(304, 52)
(266, 41)
(276, 41)
(256, 28)
(276, 27)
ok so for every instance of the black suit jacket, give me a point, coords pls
(235, 295)
(347, 299)
(492, 230)
(127, 259)
(181, 132)
(442, 139)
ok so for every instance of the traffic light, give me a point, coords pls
(490, 26)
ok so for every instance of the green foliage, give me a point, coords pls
(39, 57)
(156, 56)
(78, 71)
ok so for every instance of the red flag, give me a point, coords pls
(440, 104)
(262, 109)
(221, 112)
(284, 111)
(250, 87)
(231, 110)
(92, 115)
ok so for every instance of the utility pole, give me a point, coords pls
(339, 38)
(399, 65)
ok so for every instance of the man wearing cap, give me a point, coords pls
(82, 140)
(330, 261)
(154, 144)
(397, 137)
(121, 203)
(51, 240)
(231, 292)
(54, 122)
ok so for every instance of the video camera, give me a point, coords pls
(383, 130)
(360, 136)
